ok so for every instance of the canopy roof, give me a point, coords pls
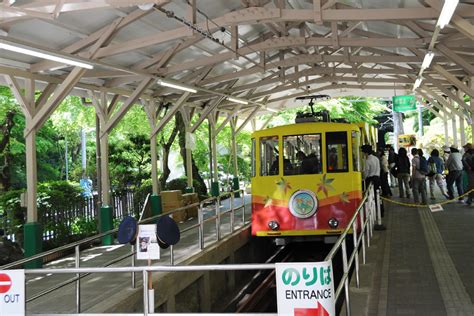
(266, 52)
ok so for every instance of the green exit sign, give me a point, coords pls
(403, 103)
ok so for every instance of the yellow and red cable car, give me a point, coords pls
(306, 179)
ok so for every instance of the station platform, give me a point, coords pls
(422, 264)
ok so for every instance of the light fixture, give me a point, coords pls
(231, 99)
(161, 82)
(27, 51)
(272, 110)
(427, 60)
(146, 6)
(447, 12)
(417, 83)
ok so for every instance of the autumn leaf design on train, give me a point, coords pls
(306, 177)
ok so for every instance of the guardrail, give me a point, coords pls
(215, 202)
(361, 224)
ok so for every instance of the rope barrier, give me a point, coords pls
(426, 205)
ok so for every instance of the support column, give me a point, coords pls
(235, 180)
(462, 130)
(215, 182)
(446, 130)
(33, 233)
(471, 107)
(97, 160)
(155, 199)
(187, 116)
(189, 165)
(455, 131)
(420, 121)
(106, 213)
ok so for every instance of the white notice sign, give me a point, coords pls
(12, 292)
(147, 243)
(305, 289)
(436, 208)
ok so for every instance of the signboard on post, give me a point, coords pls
(403, 103)
(305, 289)
(12, 292)
(147, 243)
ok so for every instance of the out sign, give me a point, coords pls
(305, 289)
(12, 292)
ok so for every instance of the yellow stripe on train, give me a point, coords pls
(301, 232)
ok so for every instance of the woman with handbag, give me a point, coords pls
(402, 169)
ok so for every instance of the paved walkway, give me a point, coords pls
(423, 264)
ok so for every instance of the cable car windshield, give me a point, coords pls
(302, 154)
(336, 152)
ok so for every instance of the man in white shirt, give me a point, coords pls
(371, 172)
(372, 165)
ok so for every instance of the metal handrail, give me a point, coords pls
(368, 207)
(199, 225)
(97, 236)
(365, 212)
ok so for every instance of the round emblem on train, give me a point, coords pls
(303, 204)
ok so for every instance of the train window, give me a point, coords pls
(336, 152)
(269, 162)
(253, 158)
(302, 154)
(355, 151)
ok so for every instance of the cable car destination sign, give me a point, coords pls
(403, 103)
(305, 289)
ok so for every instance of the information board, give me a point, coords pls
(12, 292)
(403, 103)
(305, 289)
(147, 243)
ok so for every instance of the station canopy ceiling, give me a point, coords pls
(264, 52)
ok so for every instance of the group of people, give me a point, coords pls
(412, 173)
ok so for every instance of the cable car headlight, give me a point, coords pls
(273, 225)
(333, 223)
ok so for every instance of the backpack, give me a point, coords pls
(432, 170)
(423, 166)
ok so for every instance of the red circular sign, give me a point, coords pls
(5, 283)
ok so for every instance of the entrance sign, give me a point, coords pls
(403, 103)
(147, 243)
(305, 289)
(12, 292)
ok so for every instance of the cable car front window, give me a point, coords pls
(336, 152)
(269, 161)
(302, 154)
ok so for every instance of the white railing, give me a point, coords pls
(361, 224)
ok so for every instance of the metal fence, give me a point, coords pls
(59, 221)
(212, 204)
(361, 225)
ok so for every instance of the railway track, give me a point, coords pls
(259, 293)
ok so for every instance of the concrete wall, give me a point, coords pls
(195, 291)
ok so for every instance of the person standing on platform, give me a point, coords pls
(468, 167)
(418, 177)
(371, 172)
(454, 166)
(402, 167)
(436, 173)
(384, 173)
(392, 160)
